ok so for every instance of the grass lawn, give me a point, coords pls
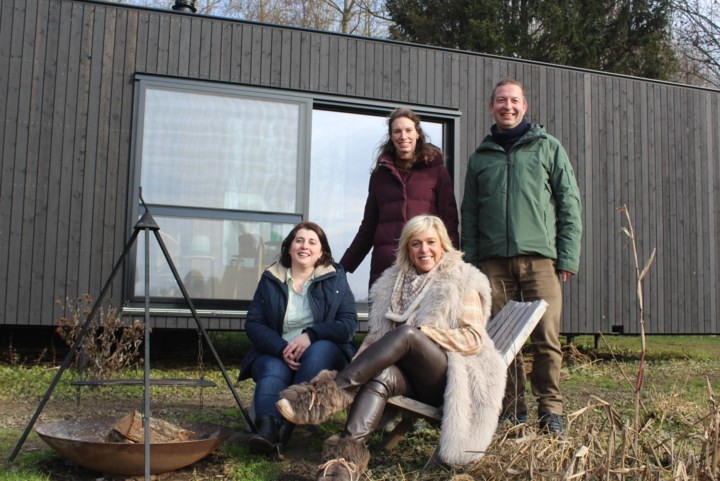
(681, 375)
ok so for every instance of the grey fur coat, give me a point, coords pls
(476, 383)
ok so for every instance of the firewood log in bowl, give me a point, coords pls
(90, 443)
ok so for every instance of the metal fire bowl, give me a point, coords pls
(83, 442)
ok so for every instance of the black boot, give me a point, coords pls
(267, 439)
(286, 429)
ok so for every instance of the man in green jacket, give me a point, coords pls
(521, 226)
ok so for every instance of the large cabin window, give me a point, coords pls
(228, 171)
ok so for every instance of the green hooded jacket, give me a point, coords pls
(525, 202)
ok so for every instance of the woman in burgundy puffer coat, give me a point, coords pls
(409, 179)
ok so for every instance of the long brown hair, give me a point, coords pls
(325, 259)
(424, 150)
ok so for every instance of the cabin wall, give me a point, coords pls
(67, 71)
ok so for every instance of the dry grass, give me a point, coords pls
(599, 446)
(108, 345)
(677, 440)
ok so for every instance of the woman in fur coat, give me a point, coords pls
(427, 341)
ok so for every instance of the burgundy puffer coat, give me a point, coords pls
(427, 189)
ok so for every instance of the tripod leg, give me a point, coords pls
(190, 304)
(75, 346)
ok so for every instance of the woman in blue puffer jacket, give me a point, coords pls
(301, 320)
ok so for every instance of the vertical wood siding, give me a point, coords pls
(67, 72)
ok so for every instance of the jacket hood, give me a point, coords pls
(279, 272)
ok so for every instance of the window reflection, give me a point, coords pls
(218, 151)
(216, 259)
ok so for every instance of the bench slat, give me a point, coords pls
(416, 407)
(511, 327)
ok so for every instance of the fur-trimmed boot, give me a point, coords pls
(315, 401)
(345, 459)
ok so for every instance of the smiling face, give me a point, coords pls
(425, 250)
(404, 137)
(305, 249)
(508, 106)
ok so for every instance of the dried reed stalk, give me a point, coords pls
(639, 276)
(598, 447)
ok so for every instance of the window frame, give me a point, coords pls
(308, 103)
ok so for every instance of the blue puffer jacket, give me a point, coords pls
(331, 301)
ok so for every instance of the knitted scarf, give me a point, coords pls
(506, 139)
(408, 287)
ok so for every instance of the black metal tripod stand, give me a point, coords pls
(146, 224)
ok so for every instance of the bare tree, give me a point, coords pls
(361, 17)
(697, 35)
(358, 17)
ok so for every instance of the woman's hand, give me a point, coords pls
(294, 351)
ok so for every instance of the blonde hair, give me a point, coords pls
(415, 226)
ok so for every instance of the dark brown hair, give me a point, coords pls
(326, 257)
(424, 150)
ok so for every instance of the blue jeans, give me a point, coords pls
(272, 375)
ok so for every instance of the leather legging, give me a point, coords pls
(402, 362)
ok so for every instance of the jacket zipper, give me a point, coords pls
(507, 193)
(507, 206)
(403, 182)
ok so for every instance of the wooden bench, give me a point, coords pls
(509, 330)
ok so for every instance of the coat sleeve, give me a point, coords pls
(262, 326)
(365, 237)
(447, 206)
(567, 204)
(466, 339)
(469, 209)
(341, 323)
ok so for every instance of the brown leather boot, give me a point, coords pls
(345, 459)
(315, 401)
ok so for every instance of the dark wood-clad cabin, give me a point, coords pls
(237, 130)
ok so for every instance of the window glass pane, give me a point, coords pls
(218, 259)
(344, 148)
(219, 151)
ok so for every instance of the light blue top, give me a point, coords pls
(298, 315)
